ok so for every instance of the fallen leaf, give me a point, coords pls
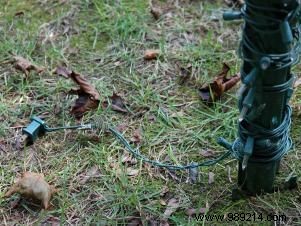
(88, 96)
(132, 172)
(32, 185)
(128, 159)
(117, 103)
(207, 153)
(172, 206)
(121, 127)
(25, 65)
(89, 174)
(20, 13)
(185, 73)
(156, 12)
(151, 118)
(63, 71)
(297, 82)
(213, 91)
(211, 178)
(162, 202)
(151, 54)
(137, 137)
(191, 211)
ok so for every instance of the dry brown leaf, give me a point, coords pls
(213, 91)
(297, 82)
(89, 174)
(19, 13)
(25, 65)
(132, 172)
(128, 159)
(33, 185)
(184, 73)
(151, 54)
(88, 96)
(121, 127)
(207, 153)
(211, 178)
(156, 12)
(63, 71)
(163, 202)
(172, 206)
(117, 103)
(137, 137)
(151, 118)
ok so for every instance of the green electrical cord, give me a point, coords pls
(141, 157)
(102, 124)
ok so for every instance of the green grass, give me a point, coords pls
(105, 41)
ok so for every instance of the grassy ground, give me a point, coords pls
(105, 40)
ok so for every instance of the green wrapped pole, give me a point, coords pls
(269, 47)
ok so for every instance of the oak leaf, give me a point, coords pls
(117, 103)
(88, 96)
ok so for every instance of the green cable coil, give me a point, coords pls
(269, 46)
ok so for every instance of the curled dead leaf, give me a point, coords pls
(117, 103)
(207, 153)
(88, 96)
(137, 137)
(151, 54)
(213, 91)
(25, 65)
(156, 12)
(132, 172)
(32, 185)
(128, 159)
(122, 127)
(19, 13)
(63, 71)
